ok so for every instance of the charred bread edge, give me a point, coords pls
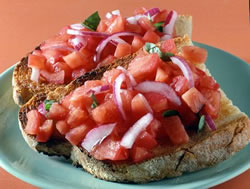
(24, 88)
(232, 135)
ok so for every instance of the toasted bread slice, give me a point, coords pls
(24, 88)
(205, 149)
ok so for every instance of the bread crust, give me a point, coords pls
(205, 149)
(24, 88)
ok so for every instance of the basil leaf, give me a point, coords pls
(95, 102)
(48, 104)
(201, 123)
(169, 113)
(159, 26)
(92, 21)
(152, 48)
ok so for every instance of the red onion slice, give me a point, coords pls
(161, 88)
(108, 15)
(152, 12)
(132, 79)
(87, 33)
(183, 65)
(132, 20)
(210, 121)
(116, 12)
(117, 94)
(78, 42)
(130, 136)
(99, 89)
(170, 22)
(97, 135)
(77, 26)
(41, 109)
(35, 74)
(104, 42)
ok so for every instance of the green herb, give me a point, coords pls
(169, 113)
(159, 26)
(48, 104)
(92, 21)
(95, 102)
(152, 48)
(201, 123)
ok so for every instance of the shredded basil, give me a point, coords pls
(169, 113)
(48, 104)
(201, 123)
(159, 26)
(152, 48)
(92, 21)
(95, 102)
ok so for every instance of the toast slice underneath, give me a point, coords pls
(204, 149)
(24, 88)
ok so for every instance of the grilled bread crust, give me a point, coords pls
(205, 149)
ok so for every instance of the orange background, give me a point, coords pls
(26, 23)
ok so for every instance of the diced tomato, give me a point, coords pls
(110, 76)
(175, 130)
(146, 24)
(79, 98)
(207, 82)
(151, 37)
(188, 117)
(106, 113)
(77, 134)
(92, 43)
(137, 43)
(76, 117)
(127, 96)
(62, 127)
(109, 59)
(140, 10)
(146, 140)
(144, 68)
(180, 84)
(108, 50)
(45, 131)
(86, 53)
(161, 16)
(154, 127)
(110, 150)
(157, 102)
(57, 112)
(59, 66)
(195, 54)
(53, 55)
(161, 75)
(122, 50)
(36, 61)
(168, 46)
(118, 25)
(133, 28)
(93, 83)
(57, 77)
(138, 106)
(212, 106)
(194, 99)
(140, 154)
(102, 26)
(78, 72)
(35, 120)
(37, 52)
(75, 60)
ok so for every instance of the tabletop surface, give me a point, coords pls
(25, 23)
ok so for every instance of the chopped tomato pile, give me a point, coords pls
(128, 113)
(79, 48)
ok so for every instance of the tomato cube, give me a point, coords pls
(140, 154)
(168, 46)
(56, 78)
(110, 76)
(118, 25)
(133, 28)
(146, 140)
(127, 96)
(157, 102)
(161, 16)
(35, 120)
(161, 75)
(102, 26)
(144, 68)
(45, 131)
(109, 59)
(194, 99)
(195, 54)
(151, 37)
(62, 127)
(139, 106)
(76, 117)
(154, 127)
(57, 112)
(106, 113)
(75, 60)
(110, 149)
(175, 130)
(180, 84)
(62, 66)
(122, 50)
(146, 24)
(137, 43)
(77, 134)
(37, 61)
